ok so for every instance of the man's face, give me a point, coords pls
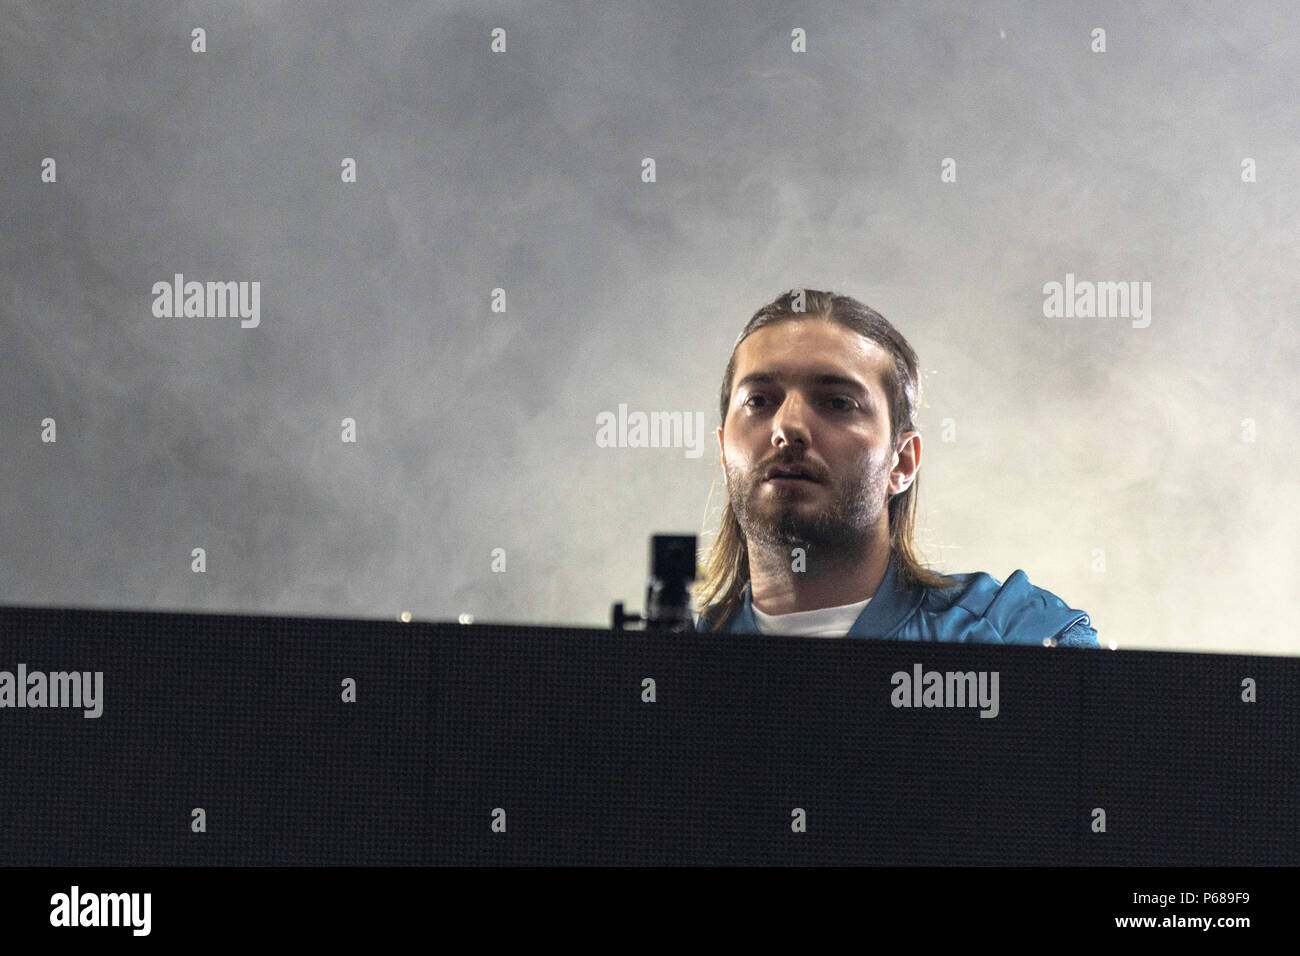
(787, 411)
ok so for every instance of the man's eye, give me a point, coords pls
(849, 406)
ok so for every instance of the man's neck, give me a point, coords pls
(777, 589)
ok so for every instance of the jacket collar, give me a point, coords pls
(883, 615)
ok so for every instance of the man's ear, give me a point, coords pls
(909, 463)
(722, 455)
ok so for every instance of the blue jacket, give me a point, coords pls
(978, 610)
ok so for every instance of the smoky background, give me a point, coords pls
(1167, 451)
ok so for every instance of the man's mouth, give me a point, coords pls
(783, 483)
(789, 474)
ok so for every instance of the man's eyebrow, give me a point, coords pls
(821, 378)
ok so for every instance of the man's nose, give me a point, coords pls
(789, 424)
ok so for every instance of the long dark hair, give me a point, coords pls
(726, 563)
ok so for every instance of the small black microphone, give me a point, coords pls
(672, 571)
(667, 595)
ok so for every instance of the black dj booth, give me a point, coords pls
(235, 740)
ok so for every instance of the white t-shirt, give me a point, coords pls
(823, 622)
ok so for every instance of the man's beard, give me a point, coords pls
(839, 527)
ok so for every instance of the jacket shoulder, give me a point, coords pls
(706, 618)
(1014, 611)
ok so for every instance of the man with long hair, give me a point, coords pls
(820, 455)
